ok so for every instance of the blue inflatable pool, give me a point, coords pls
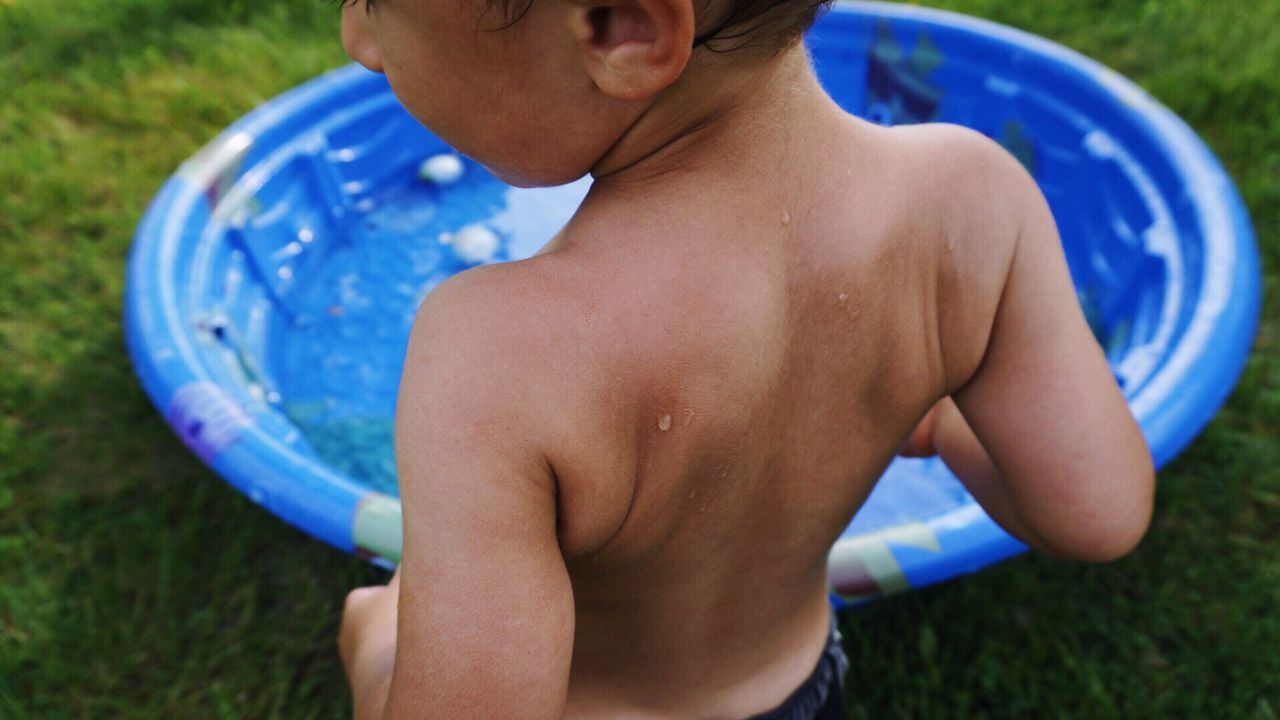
(274, 278)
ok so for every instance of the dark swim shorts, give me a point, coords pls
(821, 697)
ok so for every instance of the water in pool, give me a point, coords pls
(339, 366)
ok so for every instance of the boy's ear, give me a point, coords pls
(358, 39)
(634, 49)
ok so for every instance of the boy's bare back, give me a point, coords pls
(623, 461)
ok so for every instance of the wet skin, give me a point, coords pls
(623, 461)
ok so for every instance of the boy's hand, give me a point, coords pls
(919, 443)
(367, 643)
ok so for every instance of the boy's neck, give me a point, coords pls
(722, 109)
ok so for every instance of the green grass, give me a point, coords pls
(133, 583)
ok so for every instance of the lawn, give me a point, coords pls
(134, 583)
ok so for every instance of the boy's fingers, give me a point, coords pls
(356, 606)
(360, 596)
(919, 443)
(362, 599)
(355, 613)
(362, 609)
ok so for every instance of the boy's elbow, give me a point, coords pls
(1119, 525)
(1133, 516)
(1120, 538)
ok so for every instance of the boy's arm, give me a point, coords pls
(1040, 434)
(485, 617)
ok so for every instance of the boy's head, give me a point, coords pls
(766, 26)
(540, 90)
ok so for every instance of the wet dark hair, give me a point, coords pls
(769, 25)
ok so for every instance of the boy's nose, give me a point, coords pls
(358, 38)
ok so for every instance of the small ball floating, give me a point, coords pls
(473, 244)
(442, 169)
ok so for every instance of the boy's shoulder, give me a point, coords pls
(952, 146)
(956, 162)
(976, 192)
(967, 203)
(500, 321)
(507, 340)
(946, 187)
(542, 309)
(512, 362)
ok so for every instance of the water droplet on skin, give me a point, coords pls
(693, 492)
(664, 422)
(844, 296)
(686, 417)
(786, 218)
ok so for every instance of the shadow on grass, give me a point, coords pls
(146, 587)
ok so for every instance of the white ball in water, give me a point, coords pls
(443, 169)
(475, 244)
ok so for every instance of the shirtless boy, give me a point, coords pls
(623, 461)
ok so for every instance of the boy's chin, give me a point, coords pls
(513, 168)
(534, 177)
